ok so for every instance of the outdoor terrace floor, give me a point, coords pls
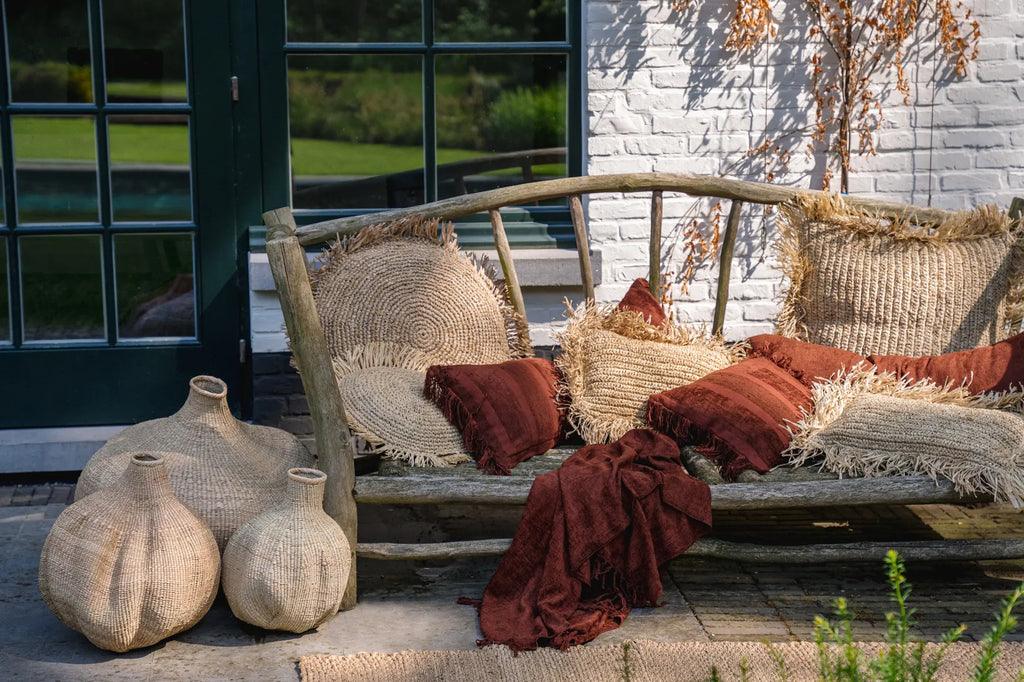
(705, 600)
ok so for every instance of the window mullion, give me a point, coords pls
(429, 106)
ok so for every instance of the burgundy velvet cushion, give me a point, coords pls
(807, 361)
(640, 299)
(999, 367)
(737, 415)
(506, 413)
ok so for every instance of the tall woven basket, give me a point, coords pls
(287, 568)
(223, 469)
(130, 565)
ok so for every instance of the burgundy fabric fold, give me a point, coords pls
(999, 367)
(808, 362)
(590, 543)
(737, 415)
(639, 299)
(506, 412)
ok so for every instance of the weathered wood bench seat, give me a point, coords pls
(400, 485)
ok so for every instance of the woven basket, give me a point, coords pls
(612, 361)
(873, 424)
(130, 565)
(406, 284)
(382, 392)
(287, 568)
(869, 285)
(224, 470)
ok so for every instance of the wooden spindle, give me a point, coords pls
(725, 266)
(654, 272)
(508, 267)
(579, 228)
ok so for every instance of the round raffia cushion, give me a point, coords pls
(871, 424)
(612, 361)
(874, 286)
(381, 388)
(407, 285)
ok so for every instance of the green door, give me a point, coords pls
(118, 247)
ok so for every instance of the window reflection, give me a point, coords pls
(501, 120)
(498, 20)
(155, 296)
(354, 21)
(356, 126)
(55, 168)
(145, 59)
(61, 287)
(48, 50)
(149, 168)
(5, 303)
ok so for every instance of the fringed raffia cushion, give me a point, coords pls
(870, 285)
(612, 361)
(873, 424)
(407, 283)
(382, 393)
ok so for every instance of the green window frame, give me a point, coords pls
(528, 226)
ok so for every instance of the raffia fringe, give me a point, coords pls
(434, 231)
(571, 363)
(982, 222)
(830, 400)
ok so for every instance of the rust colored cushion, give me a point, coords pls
(807, 361)
(640, 299)
(506, 413)
(737, 414)
(998, 367)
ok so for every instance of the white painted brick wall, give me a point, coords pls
(663, 95)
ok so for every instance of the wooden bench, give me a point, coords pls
(403, 485)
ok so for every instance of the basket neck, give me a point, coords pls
(305, 489)
(145, 478)
(207, 403)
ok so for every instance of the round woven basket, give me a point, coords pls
(223, 469)
(130, 565)
(287, 568)
(382, 392)
(408, 285)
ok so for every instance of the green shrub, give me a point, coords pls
(526, 119)
(51, 82)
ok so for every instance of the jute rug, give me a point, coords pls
(639, 661)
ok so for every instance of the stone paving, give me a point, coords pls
(704, 599)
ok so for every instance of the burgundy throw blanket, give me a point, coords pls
(590, 543)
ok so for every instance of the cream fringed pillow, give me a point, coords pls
(870, 285)
(873, 424)
(612, 361)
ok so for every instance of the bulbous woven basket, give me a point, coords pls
(382, 390)
(130, 565)
(287, 568)
(224, 470)
(408, 284)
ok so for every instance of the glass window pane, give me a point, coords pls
(149, 167)
(5, 303)
(145, 59)
(55, 168)
(457, 21)
(500, 120)
(48, 50)
(61, 287)
(356, 131)
(155, 296)
(354, 21)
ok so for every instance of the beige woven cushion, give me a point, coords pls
(409, 285)
(873, 286)
(869, 424)
(382, 392)
(612, 361)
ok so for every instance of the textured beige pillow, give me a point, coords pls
(870, 285)
(870, 424)
(612, 361)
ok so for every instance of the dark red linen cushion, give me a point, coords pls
(998, 367)
(640, 299)
(807, 361)
(737, 415)
(506, 413)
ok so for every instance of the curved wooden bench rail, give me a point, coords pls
(285, 242)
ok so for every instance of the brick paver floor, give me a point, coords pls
(724, 600)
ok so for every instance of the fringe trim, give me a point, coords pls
(795, 267)
(442, 234)
(458, 416)
(831, 398)
(381, 354)
(572, 362)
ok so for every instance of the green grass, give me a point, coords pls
(51, 139)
